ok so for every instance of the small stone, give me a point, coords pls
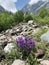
(39, 60)
(30, 22)
(35, 26)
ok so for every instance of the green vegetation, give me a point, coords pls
(43, 12)
(42, 18)
(8, 19)
(19, 16)
(33, 55)
(25, 48)
(28, 17)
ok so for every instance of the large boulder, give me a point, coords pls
(18, 62)
(45, 37)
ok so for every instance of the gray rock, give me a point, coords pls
(3, 41)
(30, 22)
(9, 38)
(18, 62)
(9, 31)
(45, 62)
(2, 37)
(14, 38)
(8, 47)
(45, 37)
(25, 28)
(25, 33)
(35, 26)
(2, 54)
(16, 31)
(19, 30)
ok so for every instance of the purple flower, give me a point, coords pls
(25, 42)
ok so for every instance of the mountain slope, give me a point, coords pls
(1, 9)
(35, 7)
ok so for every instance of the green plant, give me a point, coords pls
(43, 12)
(46, 56)
(32, 58)
(45, 49)
(18, 17)
(28, 17)
(25, 45)
(6, 21)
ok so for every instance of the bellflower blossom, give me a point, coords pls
(25, 42)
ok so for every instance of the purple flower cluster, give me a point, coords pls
(25, 42)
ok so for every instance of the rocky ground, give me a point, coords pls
(7, 37)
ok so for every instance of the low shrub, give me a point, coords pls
(28, 17)
(6, 21)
